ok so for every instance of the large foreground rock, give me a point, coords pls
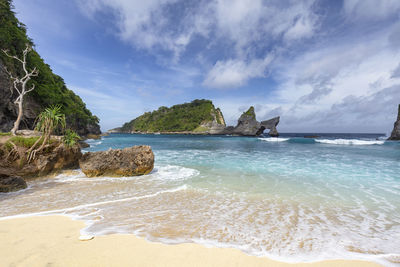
(396, 130)
(11, 183)
(131, 161)
(54, 158)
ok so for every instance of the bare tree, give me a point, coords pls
(20, 84)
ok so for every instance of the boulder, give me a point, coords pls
(54, 158)
(11, 183)
(130, 161)
(396, 129)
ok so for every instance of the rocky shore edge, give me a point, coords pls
(16, 167)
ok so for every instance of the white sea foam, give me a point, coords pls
(273, 139)
(100, 203)
(173, 172)
(356, 142)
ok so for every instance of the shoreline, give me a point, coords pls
(54, 240)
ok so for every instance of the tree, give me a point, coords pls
(48, 121)
(20, 84)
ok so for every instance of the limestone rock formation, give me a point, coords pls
(271, 125)
(216, 125)
(11, 183)
(54, 158)
(249, 126)
(131, 161)
(396, 129)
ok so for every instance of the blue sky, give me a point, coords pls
(323, 66)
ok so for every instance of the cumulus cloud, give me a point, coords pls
(249, 27)
(324, 73)
(235, 73)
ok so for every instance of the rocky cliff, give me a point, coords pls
(50, 88)
(396, 129)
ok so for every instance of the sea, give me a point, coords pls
(296, 198)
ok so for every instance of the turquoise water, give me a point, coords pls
(289, 198)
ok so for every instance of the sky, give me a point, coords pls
(323, 66)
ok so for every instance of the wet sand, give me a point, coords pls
(54, 241)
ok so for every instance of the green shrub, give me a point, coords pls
(70, 138)
(5, 134)
(22, 141)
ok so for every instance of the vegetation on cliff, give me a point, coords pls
(178, 118)
(50, 88)
(250, 112)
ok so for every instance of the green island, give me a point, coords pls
(196, 116)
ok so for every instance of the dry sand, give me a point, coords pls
(54, 241)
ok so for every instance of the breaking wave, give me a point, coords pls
(355, 142)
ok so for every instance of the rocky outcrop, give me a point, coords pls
(54, 158)
(249, 126)
(396, 129)
(271, 125)
(11, 183)
(216, 125)
(131, 161)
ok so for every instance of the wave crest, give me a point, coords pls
(273, 139)
(355, 142)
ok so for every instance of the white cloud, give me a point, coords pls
(333, 86)
(234, 73)
(247, 26)
(370, 9)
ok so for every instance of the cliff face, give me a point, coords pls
(396, 129)
(50, 88)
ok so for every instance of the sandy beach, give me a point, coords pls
(54, 241)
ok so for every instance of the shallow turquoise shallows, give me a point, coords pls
(289, 198)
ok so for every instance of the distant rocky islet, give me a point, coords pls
(198, 117)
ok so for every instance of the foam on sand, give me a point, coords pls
(355, 142)
(115, 250)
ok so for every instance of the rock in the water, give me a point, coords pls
(271, 125)
(249, 126)
(11, 183)
(131, 161)
(396, 130)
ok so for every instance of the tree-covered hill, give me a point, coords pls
(196, 116)
(50, 88)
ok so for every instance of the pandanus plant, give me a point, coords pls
(48, 121)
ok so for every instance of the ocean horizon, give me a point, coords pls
(290, 198)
